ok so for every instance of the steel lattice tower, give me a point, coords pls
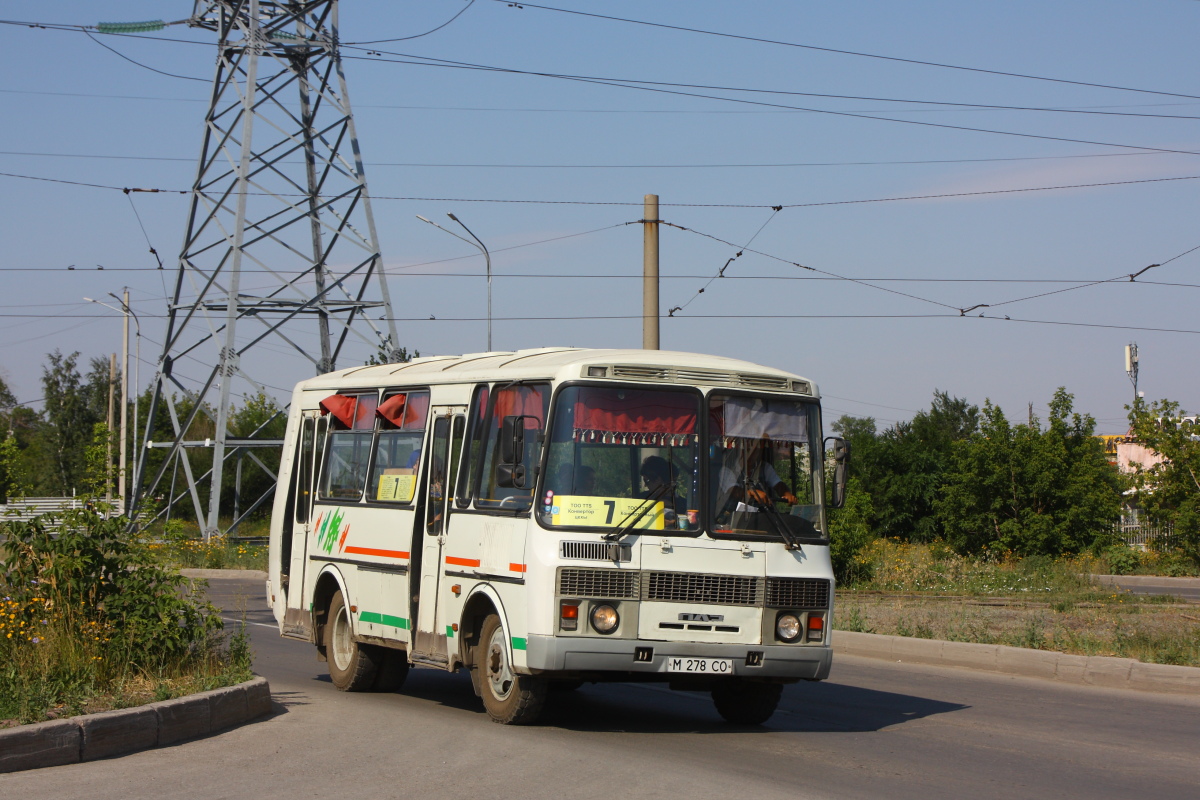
(279, 201)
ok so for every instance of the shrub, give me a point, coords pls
(87, 608)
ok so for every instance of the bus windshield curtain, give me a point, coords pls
(630, 416)
(756, 418)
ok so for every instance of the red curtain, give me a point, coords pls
(341, 407)
(405, 411)
(635, 412)
(529, 401)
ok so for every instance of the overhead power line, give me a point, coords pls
(746, 165)
(895, 199)
(855, 53)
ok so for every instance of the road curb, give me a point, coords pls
(115, 733)
(1105, 671)
(222, 574)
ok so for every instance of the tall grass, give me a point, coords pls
(89, 619)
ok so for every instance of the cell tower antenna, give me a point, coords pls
(1131, 366)
(280, 257)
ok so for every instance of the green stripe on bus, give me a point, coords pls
(518, 643)
(383, 619)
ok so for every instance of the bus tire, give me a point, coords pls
(393, 670)
(745, 702)
(352, 666)
(509, 698)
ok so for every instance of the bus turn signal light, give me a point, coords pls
(816, 628)
(569, 616)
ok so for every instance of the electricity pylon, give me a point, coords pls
(280, 202)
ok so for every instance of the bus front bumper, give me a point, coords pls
(580, 654)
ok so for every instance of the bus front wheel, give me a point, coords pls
(745, 702)
(352, 667)
(510, 698)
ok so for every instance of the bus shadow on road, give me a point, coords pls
(816, 708)
(653, 708)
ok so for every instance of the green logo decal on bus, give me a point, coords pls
(327, 531)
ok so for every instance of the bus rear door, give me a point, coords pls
(429, 641)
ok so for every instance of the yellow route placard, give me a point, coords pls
(603, 512)
(396, 488)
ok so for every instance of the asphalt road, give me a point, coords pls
(1186, 589)
(875, 729)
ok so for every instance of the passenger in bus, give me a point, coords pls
(656, 474)
(569, 481)
(748, 477)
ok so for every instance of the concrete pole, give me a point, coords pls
(123, 453)
(112, 382)
(650, 273)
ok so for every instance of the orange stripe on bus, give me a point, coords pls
(517, 567)
(462, 562)
(371, 551)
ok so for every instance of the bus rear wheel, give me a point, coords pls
(352, 666)
(745, 702)
(510, 698)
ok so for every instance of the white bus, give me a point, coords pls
(550, 517)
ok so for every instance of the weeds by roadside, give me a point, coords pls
(927, 591)
(91, 620)
(180, 545)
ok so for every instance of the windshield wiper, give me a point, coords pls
(775, 519)
(634, 517)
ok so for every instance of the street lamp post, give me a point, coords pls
(487, 258)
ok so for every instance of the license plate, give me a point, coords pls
(700, 666)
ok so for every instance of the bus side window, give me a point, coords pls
(529, 402)
(349, 450)
(400, 434)
(469, 467)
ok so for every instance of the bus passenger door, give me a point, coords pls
(297, 621)
(429, 639)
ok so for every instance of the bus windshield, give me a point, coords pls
(617, 452)
(761, 468)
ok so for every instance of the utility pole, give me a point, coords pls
(650, 273)
(123, 452)
(112, 384)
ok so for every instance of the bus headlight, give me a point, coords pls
(605, 618)
(788, 627)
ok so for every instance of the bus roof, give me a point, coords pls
(655, 366)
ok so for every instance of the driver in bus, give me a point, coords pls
(656, 474)
(748, 477)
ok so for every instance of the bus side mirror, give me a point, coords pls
(510, 472)
(840, 450)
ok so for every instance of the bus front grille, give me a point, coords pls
(797, 593)
(596, 551)
(615, 584)
(685, 587)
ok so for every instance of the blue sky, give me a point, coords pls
(467, 139)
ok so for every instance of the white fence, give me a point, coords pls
(1143, 535)
(26, 508)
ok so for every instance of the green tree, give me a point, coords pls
(1169, 491)
(1028, 490)
(902, 469)
(260, 417)
(73, 405)
(850, 531)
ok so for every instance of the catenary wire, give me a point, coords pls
(846, 52)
